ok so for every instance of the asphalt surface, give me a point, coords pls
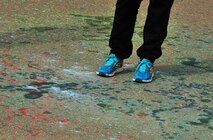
(50, 50)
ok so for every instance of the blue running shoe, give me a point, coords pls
(144, 72)
(112, 65)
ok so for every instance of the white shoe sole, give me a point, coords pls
(119, 70)
(143, 81)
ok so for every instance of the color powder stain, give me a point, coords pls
(4, 55)
(34, 67)
(5, 107)
(15, 66)
(64, 120)
(33, 91)
(40, 80)
(131, 111)
(23, 111)
(114, 80)
(107, 134)
(13, 92)
(28, 134)
(47, 112)
(33, 96)
(5, 96)
(43, 117)
(124, 136)
(5, 62)
(141, 115)
(9, 118)
(105, 106)
(44, 57)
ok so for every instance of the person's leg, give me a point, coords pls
(121, 36)
(123, 27)
(155, 29)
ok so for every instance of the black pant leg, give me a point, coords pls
(123, 27)
(155, 29)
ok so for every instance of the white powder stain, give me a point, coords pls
(78, 72)
(30, 88)
(58, 90)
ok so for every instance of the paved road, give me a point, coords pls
(48, 89)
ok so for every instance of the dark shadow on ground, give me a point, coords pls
(187, 66)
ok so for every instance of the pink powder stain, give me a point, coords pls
(34, 67)
(4, 54)
(5, 62)
(37, 116)
(15, 66)
(5, 96)
(14, 81)
(107, 134)
(20, 127)
(145, 114)
(40, 80)
(64, 120)
(43, 117)
(91, 131)
(9, 118)
(13, 92)
(114, 80)
(5, 107)
(124, 137)
(23, 111)
(141, 115)
(33, 91)
(28, 134)
(44, 57)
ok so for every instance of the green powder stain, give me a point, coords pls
(7, 101)
(195, 123)
(105, 106)
(210, 127)
(204, 120)
(32, 96)
(131, 111)
(205, 100)
(132, 102)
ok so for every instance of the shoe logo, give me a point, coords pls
(119, 65)
(151, 69)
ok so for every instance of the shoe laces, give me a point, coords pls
(111, 60)
(144, 66)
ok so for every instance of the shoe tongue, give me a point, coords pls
(111, 60)
(144, 65)
(147, 62)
